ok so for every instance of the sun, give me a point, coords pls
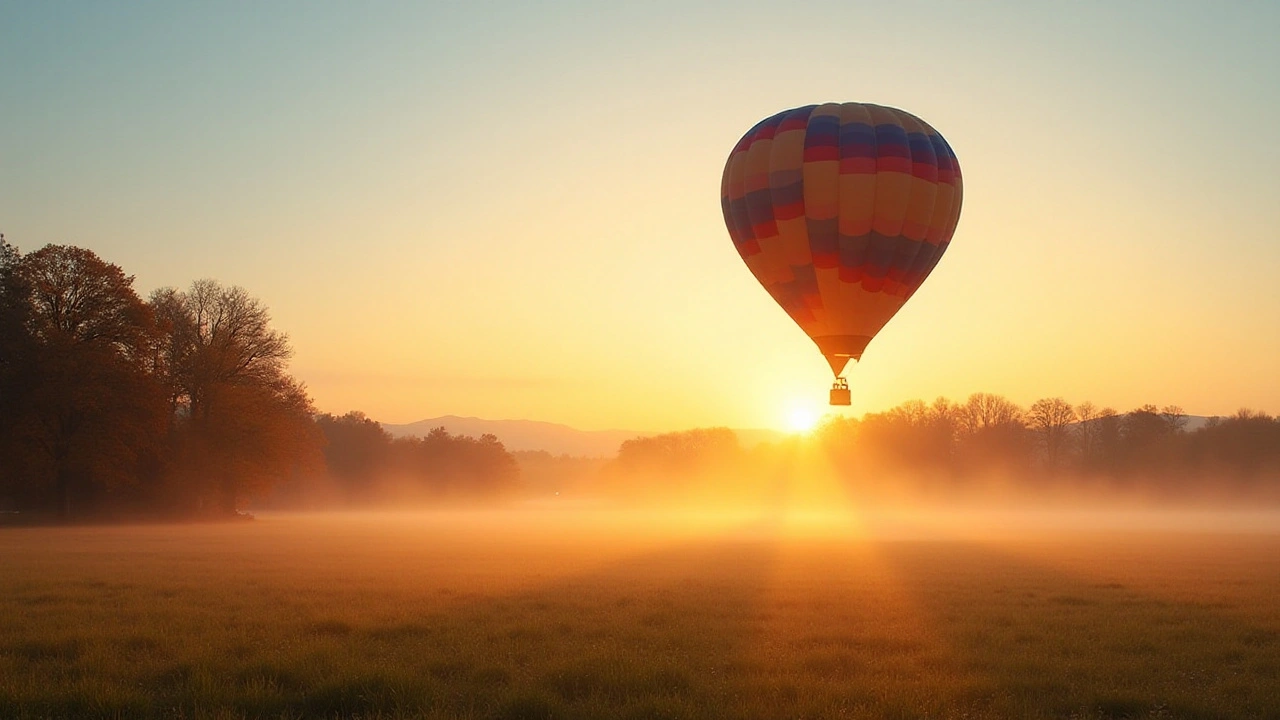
(801, 419)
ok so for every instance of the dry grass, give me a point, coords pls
(577, 615)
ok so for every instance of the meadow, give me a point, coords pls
(589, 613)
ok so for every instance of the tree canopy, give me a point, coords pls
(182, 403)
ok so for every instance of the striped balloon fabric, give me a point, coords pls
(841, 211)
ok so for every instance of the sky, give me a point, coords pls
(511, 209)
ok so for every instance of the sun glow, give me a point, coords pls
(801, 419)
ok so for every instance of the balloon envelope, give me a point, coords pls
(841, 211)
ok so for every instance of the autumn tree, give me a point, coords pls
(14, 311)
(16, 359)
(239, 420)
(84, 410)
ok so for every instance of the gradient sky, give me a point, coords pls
(511, 209)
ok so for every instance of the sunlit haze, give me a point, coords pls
(510, 210)
(802, 419)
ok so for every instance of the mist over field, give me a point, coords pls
(585, 610)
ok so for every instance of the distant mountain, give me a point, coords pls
(552, 437)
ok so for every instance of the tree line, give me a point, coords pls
(180, 403)
(989, 435)
(953, 446)
(366, 465)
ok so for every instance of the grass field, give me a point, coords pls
(554, 614)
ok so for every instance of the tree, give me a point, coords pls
(945, 413)
(1107, 439)
(838, 436)
(1244, 446)
(1147, 434)
(912, 413)
(911, 436)
(1174, 418)
(16, 361)
(691, 450)
(76, 296)
(943, 422)
(84, 411)
(217, 336)
(1051, 420)
(1086, 430)
(357, 451)
(983, 411)
(15, 309)
(238, 419)
(995, 437)
(446, 465)
(1143, 424)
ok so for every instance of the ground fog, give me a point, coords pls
(558, 611)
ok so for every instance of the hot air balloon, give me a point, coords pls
(841, 211)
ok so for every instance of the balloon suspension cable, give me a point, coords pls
(840, 391)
